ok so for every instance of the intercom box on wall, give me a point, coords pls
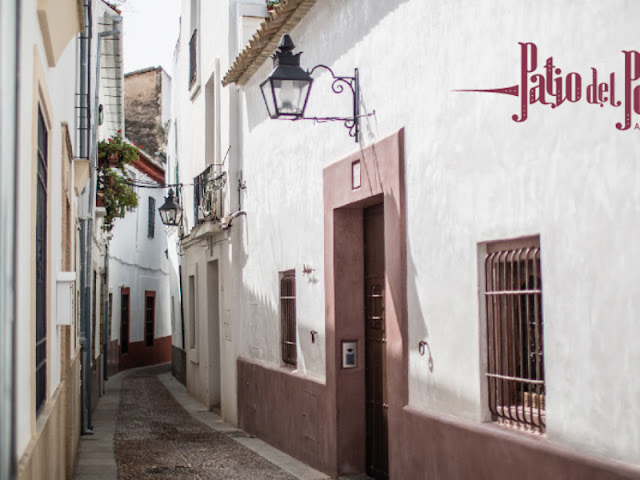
(349, 354)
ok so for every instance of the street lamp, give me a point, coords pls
(286, 91)
(170, 212)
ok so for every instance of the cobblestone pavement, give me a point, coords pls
(156, 438)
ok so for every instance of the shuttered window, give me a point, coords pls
(152, 217)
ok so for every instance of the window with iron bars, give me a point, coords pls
(152, 217)
(288, 316)
(41, 263)
(515, 346)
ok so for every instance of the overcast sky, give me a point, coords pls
(150, 33)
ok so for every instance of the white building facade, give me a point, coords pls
(138, 276)
(473, 250)
(203, 150)
(55, 127)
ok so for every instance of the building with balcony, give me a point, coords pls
(449, 296)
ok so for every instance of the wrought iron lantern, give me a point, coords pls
(170, 212)
(287, 89)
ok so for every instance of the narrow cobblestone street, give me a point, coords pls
(148, 427)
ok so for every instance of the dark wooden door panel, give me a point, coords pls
(375, 344)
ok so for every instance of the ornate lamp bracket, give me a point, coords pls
(338, 86)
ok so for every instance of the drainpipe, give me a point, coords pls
(89, 224)
(83, 148)
(9, 88)
(106, 310)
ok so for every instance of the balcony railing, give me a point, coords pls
(208, 194)
(193, 57)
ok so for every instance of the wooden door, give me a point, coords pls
(375, 344)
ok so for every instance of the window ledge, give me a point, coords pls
(194, 89)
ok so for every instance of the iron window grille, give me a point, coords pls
(193, 57)
(149, 321)
(41, 265)
(152, 217)
(515, 324)
(288, 316)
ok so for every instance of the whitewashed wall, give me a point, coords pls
(140, 263)
(60, 93)
(472, 175)
(187, 148)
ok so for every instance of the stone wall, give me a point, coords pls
(142, 105)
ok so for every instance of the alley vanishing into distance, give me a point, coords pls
(422, 268)
(148, 427)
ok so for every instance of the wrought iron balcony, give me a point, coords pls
(208, 194)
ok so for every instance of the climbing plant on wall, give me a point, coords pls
(114, 188)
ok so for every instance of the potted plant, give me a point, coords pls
(115, 192)
(272, 4)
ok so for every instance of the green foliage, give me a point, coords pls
(118, 195)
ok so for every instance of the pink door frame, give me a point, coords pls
(382, 180)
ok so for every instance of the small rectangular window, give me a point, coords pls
(192, 311)
(149, 316)
(124, 321)
(193, 57)
(288, 316)
(515, 347)
(152, 217)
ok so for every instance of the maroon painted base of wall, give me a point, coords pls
(435, 446)
(291, 413)
(286, 410)
(140, 355)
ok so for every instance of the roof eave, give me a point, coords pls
(264, 42)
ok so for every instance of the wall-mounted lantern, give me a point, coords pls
(287, 89)
(170, 212)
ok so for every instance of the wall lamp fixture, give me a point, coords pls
(286, 91)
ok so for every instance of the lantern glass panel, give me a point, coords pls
(291, 96)
(267, 94)
(166, 216)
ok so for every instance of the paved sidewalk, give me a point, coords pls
(95, 460)
(286, 462)
(155, 438)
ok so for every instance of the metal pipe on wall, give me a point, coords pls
(85, 225)
(106, 311)
(89, 229)
(9, 121)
